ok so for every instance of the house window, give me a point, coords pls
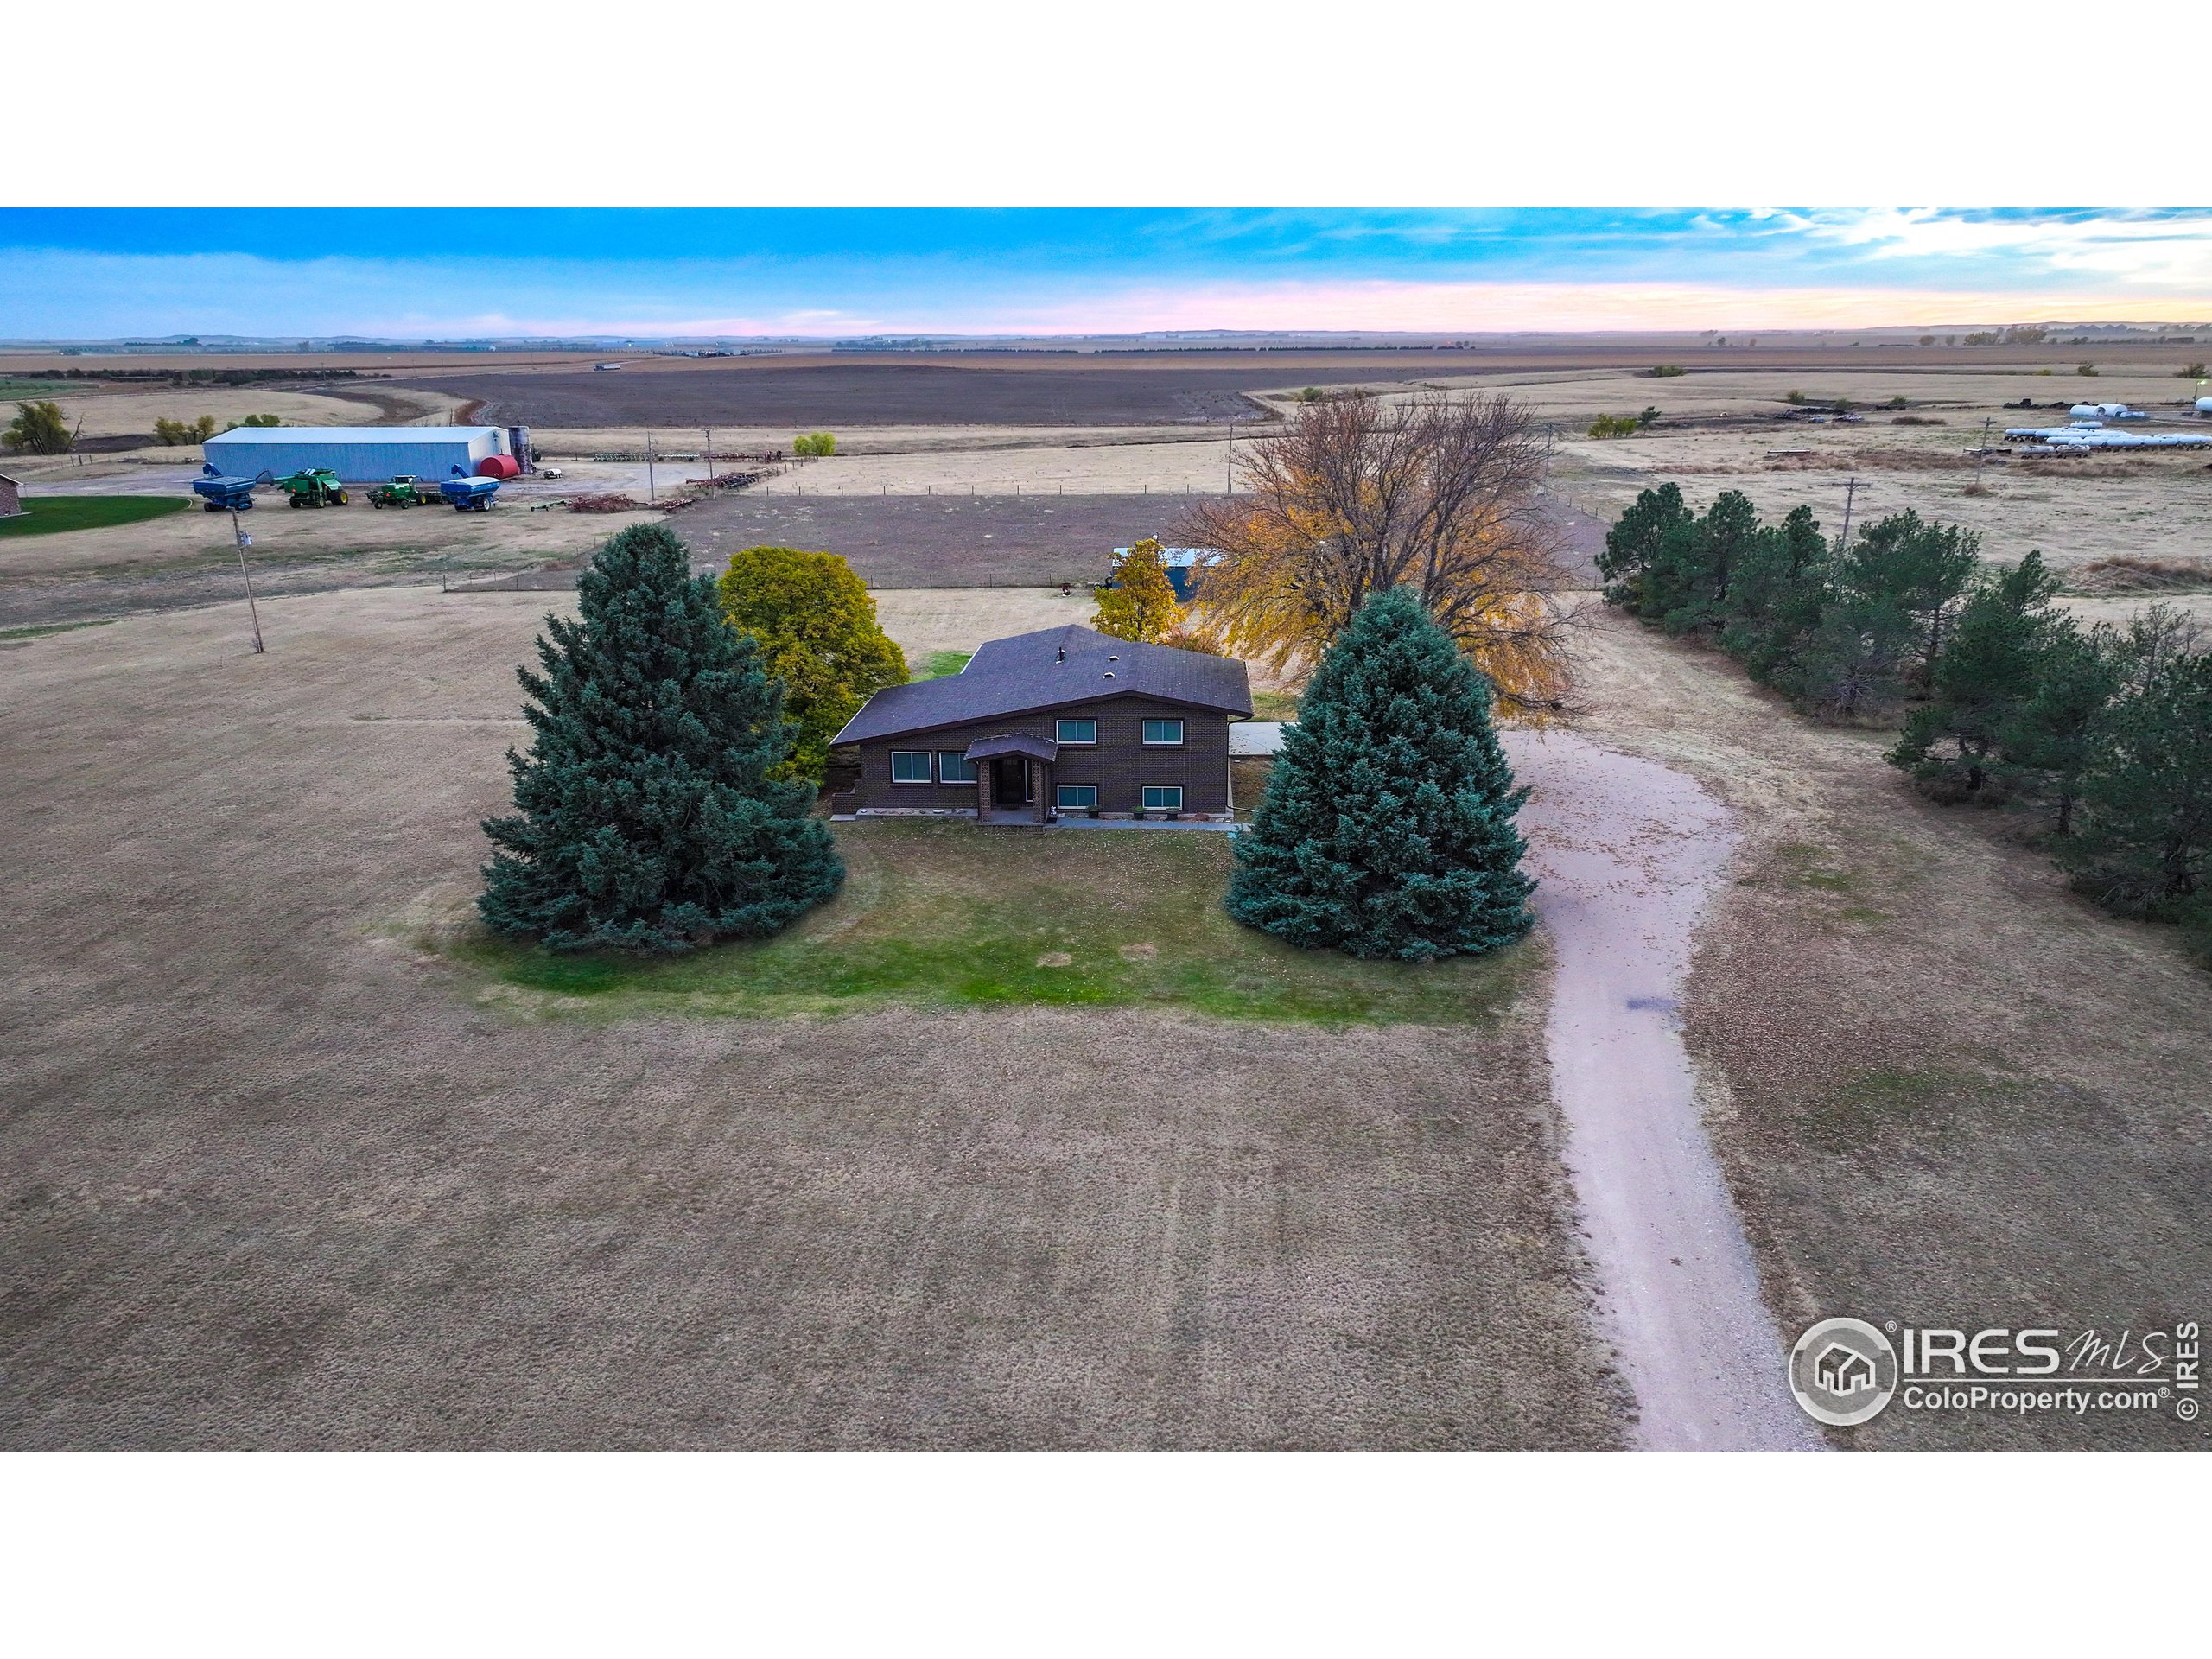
(955, 768)
(1163, 733)
(1078, 731)
(1073, 796)
(1164, 800)
(910, 766)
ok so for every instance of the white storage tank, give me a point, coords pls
(358, 454)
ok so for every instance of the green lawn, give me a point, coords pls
(48, 515)
(938, 664)
(940, 914)
(40, 630)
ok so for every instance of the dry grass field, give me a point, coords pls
(1722, 432)
(107, 410)
(926, 620)
(952, 541)
(189, 558)
(907, 393)
(271, 1176)
(1725, 424)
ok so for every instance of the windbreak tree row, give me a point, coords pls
(2003, 698)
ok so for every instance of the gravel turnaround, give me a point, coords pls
(1627, 853)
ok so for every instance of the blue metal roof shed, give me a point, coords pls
(1183, 565)
(358, 454)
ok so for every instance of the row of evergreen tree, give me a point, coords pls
(2003, 696)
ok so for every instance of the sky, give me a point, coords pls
(412, 274)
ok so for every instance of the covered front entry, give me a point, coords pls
(1014, 777)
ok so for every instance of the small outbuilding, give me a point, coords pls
(358, 454)
(1184, 566)
(11, 497)
(1063, 722)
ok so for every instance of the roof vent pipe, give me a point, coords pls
(1061, 655)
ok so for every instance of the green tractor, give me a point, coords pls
(314, 487)
(402, 492)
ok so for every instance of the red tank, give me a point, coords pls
(498, 467)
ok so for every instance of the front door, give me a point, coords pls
(1010, 781)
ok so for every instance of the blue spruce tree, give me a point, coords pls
(645, 818)
(1387, 827)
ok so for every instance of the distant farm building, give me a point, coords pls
(365, 455)
(1183, 565)
(11, 497)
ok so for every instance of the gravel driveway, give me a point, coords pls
(1628, 852)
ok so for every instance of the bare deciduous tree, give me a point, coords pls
(1360, 495)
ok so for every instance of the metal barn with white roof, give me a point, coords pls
(358, 454)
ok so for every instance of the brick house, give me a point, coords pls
(1062, 722)
(11, 499)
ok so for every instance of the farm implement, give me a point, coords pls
(402, 492)
(461, 492)
(222, 493)
(317, 486)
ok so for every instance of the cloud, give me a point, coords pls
(2164, 250)
(1512, 306)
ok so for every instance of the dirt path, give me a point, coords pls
(1628, 853)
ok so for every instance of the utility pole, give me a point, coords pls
(1849, 491)
(710, 461)
(650, 495)
(1980, 454)
(1228, 466)
(244, 541)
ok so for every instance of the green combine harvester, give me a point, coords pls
(315, 486)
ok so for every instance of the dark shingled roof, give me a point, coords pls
(1051, 668)
(1037, 748)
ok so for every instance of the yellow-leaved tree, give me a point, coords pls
(1140, 604)
(1361, 494)
(816, 625)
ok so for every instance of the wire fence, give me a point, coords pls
(1048, 488)
(535, 580)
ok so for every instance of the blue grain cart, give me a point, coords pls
(220, 491)
(470, 494)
